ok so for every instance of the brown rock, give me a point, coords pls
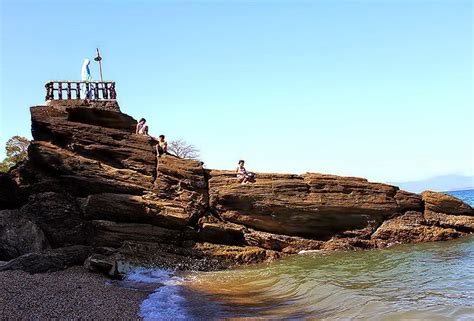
(183, 180)
(212, 229)
(280, 243)
(137, 209)
(444, 203)
(114, 234)
(312, 205)
(462, 223)
(90, 179)
(448, 211)
(60, 170)
(117, 147)
(412, 228)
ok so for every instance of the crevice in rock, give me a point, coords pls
(157, 163)
(209, 208)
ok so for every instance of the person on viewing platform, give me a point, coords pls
(243, 176)
(162, 146)
(142, 127)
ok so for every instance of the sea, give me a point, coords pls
(430, 281)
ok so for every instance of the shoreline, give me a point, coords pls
(70, 294)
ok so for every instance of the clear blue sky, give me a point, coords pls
(378, 89)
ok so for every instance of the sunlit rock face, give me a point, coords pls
(91, 181)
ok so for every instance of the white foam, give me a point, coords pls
(166, 303)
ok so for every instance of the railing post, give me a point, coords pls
(113, 94)
(96, 90)
(60, 91)
(68, 90)
(78, 90)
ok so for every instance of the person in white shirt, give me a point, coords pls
(142, 127)
(243, 176)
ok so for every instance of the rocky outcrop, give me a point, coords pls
(19, 235)
(311, 205)
(91, 182)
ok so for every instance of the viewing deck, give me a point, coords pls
(72, 90)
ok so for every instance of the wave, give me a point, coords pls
(167, 301)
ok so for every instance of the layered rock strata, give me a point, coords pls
(91, 187)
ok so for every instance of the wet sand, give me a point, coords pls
(72, 294)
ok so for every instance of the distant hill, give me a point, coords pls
(439, 183)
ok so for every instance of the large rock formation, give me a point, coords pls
(91, 186)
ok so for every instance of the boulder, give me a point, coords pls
(50, 260)
(448, 211)
(19, 235)
(444, 203)
(412, 227)
(60, 217)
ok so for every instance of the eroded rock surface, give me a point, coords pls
(91, 182)
(19, 235)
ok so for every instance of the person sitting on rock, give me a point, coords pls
(243, 176)
(142, 127)
(162, 146)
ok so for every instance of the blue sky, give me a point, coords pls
(378, 89)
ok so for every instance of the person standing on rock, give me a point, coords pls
(162, 146)
(242, 175)
(142, 127)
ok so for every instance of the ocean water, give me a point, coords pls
(431, 281)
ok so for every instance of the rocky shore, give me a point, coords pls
(93, 193)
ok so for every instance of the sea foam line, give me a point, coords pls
(166, 302)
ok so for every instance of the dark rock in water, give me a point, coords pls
(19, 236)
(91, 180)
(51, 260)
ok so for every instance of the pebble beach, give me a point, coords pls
(70, 294)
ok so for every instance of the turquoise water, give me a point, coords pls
(432, 281)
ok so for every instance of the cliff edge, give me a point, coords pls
(94, 193)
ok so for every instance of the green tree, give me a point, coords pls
(16, 150)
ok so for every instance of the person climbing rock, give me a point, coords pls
(243, 176)
(142, 127)
(162, 146)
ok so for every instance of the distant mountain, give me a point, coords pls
(439, 183)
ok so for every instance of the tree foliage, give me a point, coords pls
(182, 149)
(16, 150)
